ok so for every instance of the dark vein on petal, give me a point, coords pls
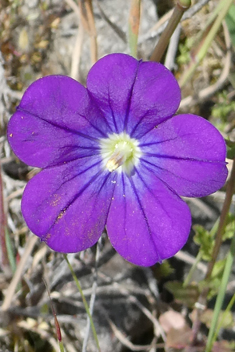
(110, 202)
(138, 123)
(171, 173)
(99, 109)
(70, 202)
(143, 213)
(112, 113)
(58, 163)
(66, 163)
(161, 156)
(84, 187)
(155, 143)
(153, 195)
(130, 97)
(159, 178)
(151, 127)
(77, 146)
(81, 115)
(64, 128)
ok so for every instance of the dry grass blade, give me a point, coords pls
(73, 6)
(212, 89)
(134, 24)
(19, 272)
(159, 27)
(5, 260)
(74, 73)
(93, 296)
(88, 22)
(113, 25)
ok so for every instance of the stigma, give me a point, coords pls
(120, 152)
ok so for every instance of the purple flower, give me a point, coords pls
(114, 155)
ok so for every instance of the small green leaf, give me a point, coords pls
(218, 269)
(214, 283)
(205, 240)
(230, 149)
(230, 227)
(225, 317)
(186, 295)
(230, 20)
(166, 269)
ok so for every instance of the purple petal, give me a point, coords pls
(67, 206)
(39, 143)
(54, 118)
(187, 152)
(134, 96)
(147, 222)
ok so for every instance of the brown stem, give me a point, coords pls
(88, 22)
(5, 260)
(161, 46)
(218, 241)
(222, 221)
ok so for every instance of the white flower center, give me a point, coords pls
(120, 152)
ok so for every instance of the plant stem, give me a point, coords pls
(191, 271)
(180, 7)
(5, 259)
(221, 294)
(218, 240)
(222, 221)
(84, 301)
(134, 23)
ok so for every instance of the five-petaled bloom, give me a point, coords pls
(114, 155)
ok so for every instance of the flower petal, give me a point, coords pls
(187, 152)
(54, 117)
(39, 143)
(147, 222)
(134, 96)
(67, 206)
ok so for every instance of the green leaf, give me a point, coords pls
(187, 295)
(214, 283)
(230, 149)
(230, 20)
(226, 318)
(205, 240)
(230, 227)
(218, 269)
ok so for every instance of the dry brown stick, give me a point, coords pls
(76, 58)
(5, 261)
(222, 222)
(74, 72)
(19, 272)
(93, 34)
(174, 20)
(88, 22)
(159, 27)
(117, 30)
(73, 6)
